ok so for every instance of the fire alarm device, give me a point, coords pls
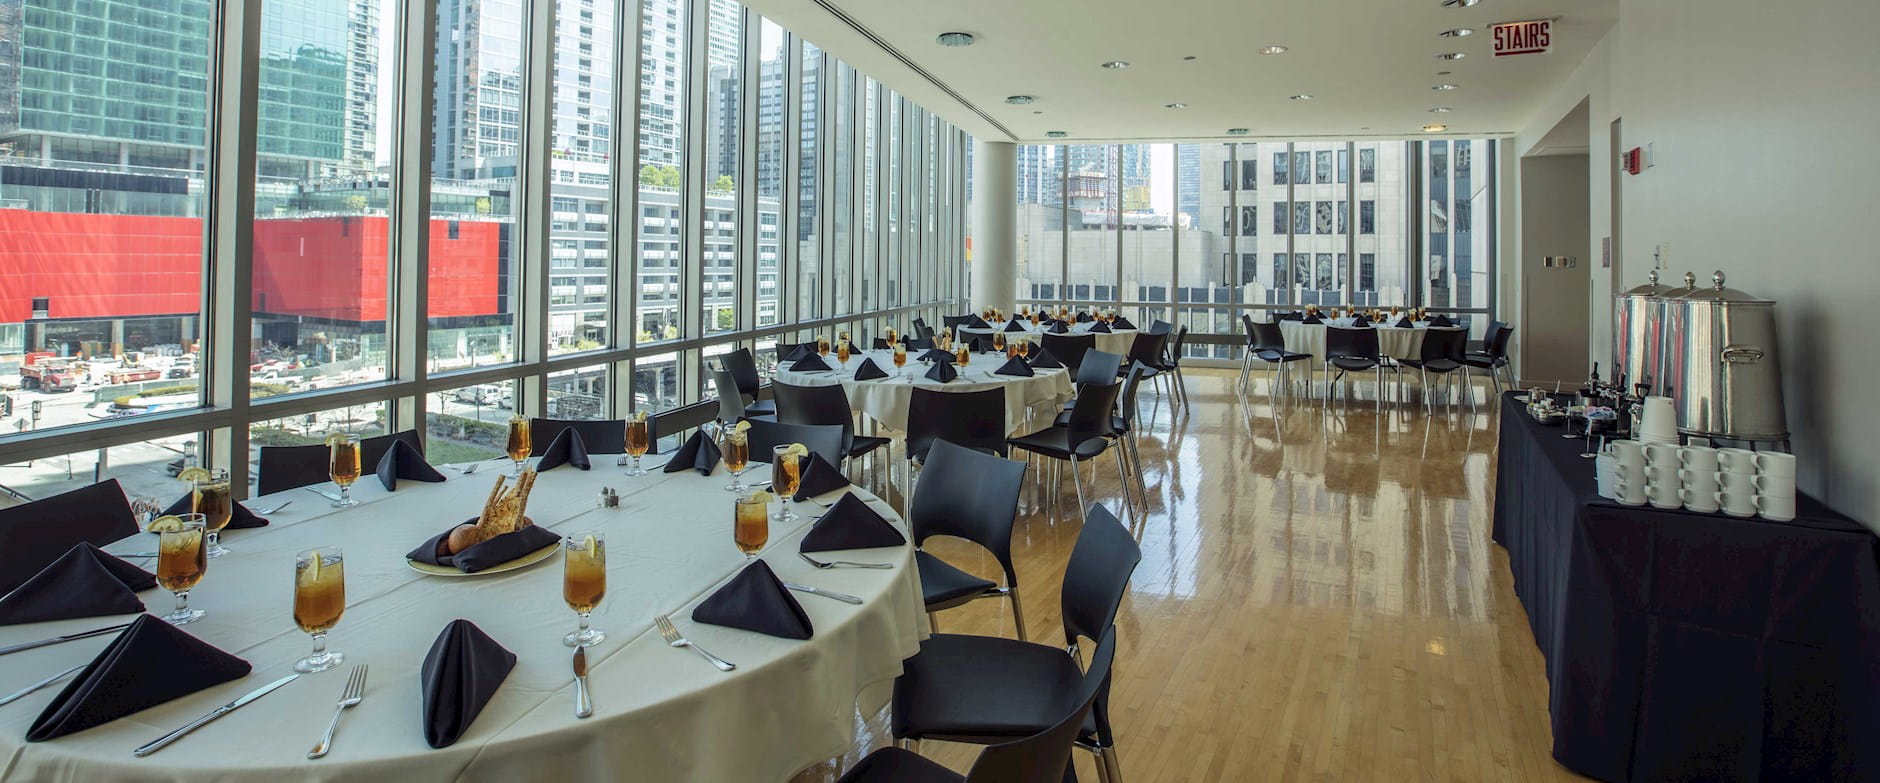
(1632, 160)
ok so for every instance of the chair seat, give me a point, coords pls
(899, 766)
(862, 444)
(1433, 365)
(1116, 422)
(761, 408)
(943, 587)
(1279, 357)
(919, 456)
(1484, 361)
(1054, 442)
(1353, 363)
(983, 689)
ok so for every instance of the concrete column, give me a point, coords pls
(995, 225)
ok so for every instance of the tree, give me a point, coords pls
(724, 184)
(658, 176)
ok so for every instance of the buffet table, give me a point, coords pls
(660, 713)
(1690, 646)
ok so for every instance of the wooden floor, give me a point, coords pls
(1318, 600)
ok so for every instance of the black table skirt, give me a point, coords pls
(1686, 646)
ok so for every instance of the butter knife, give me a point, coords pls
(61, 639)
(163, 741)
(843, 597)
(583, 705)
(23, 692)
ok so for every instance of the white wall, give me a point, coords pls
(1764, 120)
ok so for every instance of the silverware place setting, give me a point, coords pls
(322, 493)
(23, 692)
(583, 701)
(843, 597)
(165, 740)
(675, 639)
(841, 563)
(266, 511)
(350, 696)
(36, 644)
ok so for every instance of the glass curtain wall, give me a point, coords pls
(434, 260)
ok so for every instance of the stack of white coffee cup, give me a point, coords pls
(1700, 477)
(1620, 469)
(1658, 421)
(1757, 482)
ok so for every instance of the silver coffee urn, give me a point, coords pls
(1721, 365)
(1638, 333)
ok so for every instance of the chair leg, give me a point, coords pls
(1110, 767)
(933, 622)
(1079, 483)
(911, 745)
(1018, 612)
(1122, 482)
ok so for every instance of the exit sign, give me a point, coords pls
(1523, 37)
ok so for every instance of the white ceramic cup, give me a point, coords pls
(1629, 493)
(1627, 452)
(1779, 491)
(1662, 455)
(1698, 459)
(1660, 418)
(1775, 463)
(1700, 490)
(1737, 504)
(1737, 460)
(1778, 510)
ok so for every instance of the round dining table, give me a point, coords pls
(1396, 342)
(659, 712)
(886, 400)
(1117, 341)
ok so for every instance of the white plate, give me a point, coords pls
(521, 562)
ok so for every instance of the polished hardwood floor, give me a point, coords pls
(1318, 599)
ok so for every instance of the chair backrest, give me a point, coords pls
(1266, 336)
(953, 321)
(1097, 574)
(1090, 420)
(1126, 402)
(1069, 348)
(1490, 332)
(1097, 367)
(731, 402)
(1443, 343)
(974, 419)
(1351, 343)
(743, 369)
(822, 405)
(1046, 755)
(33, 535)
(824, 440)
(922, 330)
(289, 467)
(969, 495)
(1175, 346)
(1499, 347)
(1147, 348)
(600, 436)
(1161, 327)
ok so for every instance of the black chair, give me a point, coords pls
(731, 404)
(1084, 436)
(1352, 350)
(1146, 349)
(986, 689)
(1044, 756)
(975, 420)
(1124, 423)
(824, 440)
(1494, 356)
(825, 405)
(1069, 348)
(1098, 367)
(922, 330)
(279, 468)
(33, 535)
(1441, 354)
(600, 436)
(1171, 364)
(954, 321)
(743, 367)
(1266, 342)
(966, 494)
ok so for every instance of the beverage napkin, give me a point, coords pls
(1014, 325)
(755, 601)
(1100, 328)
(37, 533)
(460, 674)
(1015, 366)
(149, 663)
(1042, 359)
(942, 372)
(810, 362)
(239, 519)
(1123, 323)
(978, 323)
(868, 370)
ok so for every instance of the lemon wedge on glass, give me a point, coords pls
(763, 496)
(593, 547)
(194, 474)
(741, 426)
(335, 438)
(314, 561)
(168, 523)
(798, 449)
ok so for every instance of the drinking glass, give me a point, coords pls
(842, 352)
(1024, 348)
(637, 442)
(584, 582)
(822, 345)
(893, 337)
(342, 466)
(319, 600)
(964, 355)
(182, 558)
(737, 456)
(900, 356)
(212, 498)
(519, 445)
(785, 471)
(998, 341)
(750, 525)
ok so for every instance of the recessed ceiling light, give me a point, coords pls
(1176, 105)
(1236, 131)
(956, 39)
(1456, 33)
(1273, 50)
(1443, 87)
(1056, 134)
(1435, 128)
(1441, 110)
(1019, 100)
(1459, 3)
(1116, 65)
(1302, 97)
(1451, 56)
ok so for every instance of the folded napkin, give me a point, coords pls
(494, 552)
(566, 449)
(699, 453)
(1404, 323)
(918, 343)
(84, 582)
(149, 663)
(850, 524)
(32, 535)
(1100, 328)
(1312, 319)
(1291, 317)
(402, 461)
(1015, 325)
(1058, 327)
(942, 372)
(936, 355)
(976, 346)
(755, 601)
(868, 370)
(1084, 317)
(1015, 366)
(1441, 320)
(1360, 322)
(880, 344)
(809, 363)
(1123, 323)
(978, 323)
(819, 478)
(240, 518)
(795, 353)
(1042, 359)
(460, 674)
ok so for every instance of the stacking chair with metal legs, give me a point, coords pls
(1086, 434)
(1069, 348)
(823, 440)
(973, 496)
(743, 367)
(1352, 351)
(1267, 343)
(732, 405)
(1171, 366)
(1493, 357)
(1441, 354)
(824, 405)
(1129, 448)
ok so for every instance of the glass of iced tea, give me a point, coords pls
(842, 352)
(737, 456)
(342, 465)
(584, 582)
(998, 341)
(822, 345)
(1024, 348)
(964, 354)
(319, 600)
(211, 497)
(786, 471)
(519, 445)
(637, 442)
(182, 558)
(751, 524)
(900, 356)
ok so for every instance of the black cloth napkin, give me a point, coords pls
(1404, 323)
(942, 372)
(402, 461)
(566, 449)
(1291, 317)
(1312, 319)
(1015, 366)
(1441, 320)
(850, 524)
(919, 343)
(238, 519)
(1059, 327)
(1123, 323)
(880, 344)
(1360, 322)
(796, 352)
(755, 601)
(1042, 359)
(976, 346)
(819, 478)
(149, 663)
(809, 363)
(699, 453)
(496, 551)
(460, 674)
(936, 355)
(84, 582)
(1100, 328)
(978, 323)
(35, 534)
(868, 370)
(1014, 325)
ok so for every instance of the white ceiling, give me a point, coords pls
(1369, 64)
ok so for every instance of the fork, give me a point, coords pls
(323, 493)
(274, 509)
(841, 563)
(671, 632)
(354, 693)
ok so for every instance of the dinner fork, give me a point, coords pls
(841, 563)
(274, 509)
(671, 632)
(354, 693)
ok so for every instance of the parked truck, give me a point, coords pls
(48, 374)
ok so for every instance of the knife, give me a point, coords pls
(23, 692)
(60, 639)
(843, 597)
(583, 706)
(163, 741)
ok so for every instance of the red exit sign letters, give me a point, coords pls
(1523, 37)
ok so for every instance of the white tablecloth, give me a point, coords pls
(660, 713)
(1117, 342)
(886, 399)
(1392, 341)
